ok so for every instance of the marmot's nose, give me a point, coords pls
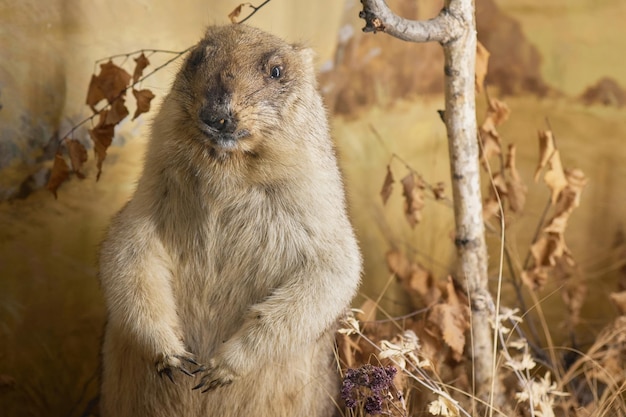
(223, 122)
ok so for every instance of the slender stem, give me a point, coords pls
(254, 10)
(455, 29)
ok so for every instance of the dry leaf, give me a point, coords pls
(78, 156)
(102, 136)
(569, 199)
(59, 174)
(385, 192)
(413, 277)
(413, 192)
(573, 292)
(555, 176)
(117, 112)
(452, 319)
(94, 93)
(439, 191)
(236, 12)
(498, 111)
(141, 62)
(546, 148)
(535, 278)
(111, 83)
(491, 207)
(482, 65)
(499, 183)
(516, 189)
(143, 97)
(490, 141)
(398, 264)
(423, 283)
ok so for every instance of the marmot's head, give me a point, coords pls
(240, 86)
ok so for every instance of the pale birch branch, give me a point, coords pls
(454, 28)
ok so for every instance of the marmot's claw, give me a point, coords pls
(215, 377)
(168, 362)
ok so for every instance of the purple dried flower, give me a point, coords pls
(367, 385)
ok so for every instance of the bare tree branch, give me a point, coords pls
(378, 17)
(454, 28)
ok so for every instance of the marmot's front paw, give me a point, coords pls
(215, 376)
(166, 363)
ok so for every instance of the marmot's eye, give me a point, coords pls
(276, 71)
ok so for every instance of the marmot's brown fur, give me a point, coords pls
(235, 251)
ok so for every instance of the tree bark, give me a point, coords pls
(455, 29)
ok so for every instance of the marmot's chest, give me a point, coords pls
(245, 250)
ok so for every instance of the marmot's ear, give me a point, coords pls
(308, 55)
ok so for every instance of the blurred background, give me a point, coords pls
(557, 64)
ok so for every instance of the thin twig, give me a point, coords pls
(254, 10)
(122, 93)
(543, 216)
(143, 51)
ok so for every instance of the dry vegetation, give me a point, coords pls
(417, 363)
(428, 348)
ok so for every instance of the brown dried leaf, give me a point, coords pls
(236, 12)
(439, 191)
(491, 207)
(500, 184)
(535, 278)
(141, 62)
(548, 248)
(482, 65)
(423, 283)
(546, 148)
(78, 156)
(59, 174)
(516, 189)
(102, 136)
(143, 97)
(452, 319)
(385, 192)
(569, 199)
(498, 111)
(414, 278)
(555, 176)
(398, 264)
(117, 112)
(112, 81)
(94, 93)
(413, 192)
(491, 145)
(573, 292)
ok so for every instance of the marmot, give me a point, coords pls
(235, 252)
